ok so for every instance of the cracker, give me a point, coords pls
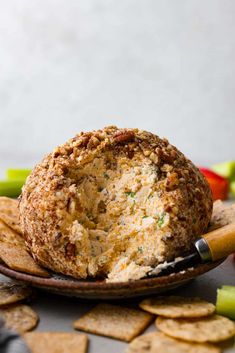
(9, 213)
(177, 307)
(222, 215)
(159, 342)
(14, 254)
(114, 321)
(11, 292)
(17, 258)
(10, 236)
(56, 342)
(20, 318)
(213, 328)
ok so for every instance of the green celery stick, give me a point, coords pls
(11, 188)
(232, 188)
(225, 169)
(225, 304)
(13, 174)
(229, 288)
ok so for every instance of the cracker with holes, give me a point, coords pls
(9, 213)
(213, 328)
(177, 307)
(114, 321)
(56, 342)
(159, 342)
(12, 292)
(20, 318)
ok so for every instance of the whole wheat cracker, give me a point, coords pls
(56, 342)
(12, 292)
(222, 215)
(114, 321)
(20, 318)
(14, 254)
(158, 342)
(10, 236)
(18, 259)
(177, 307)
(213, 328)
(9, 213)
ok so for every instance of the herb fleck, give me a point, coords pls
(130, 193)
(106, 176)
(140, 249)
(144, 217)
(161, 220)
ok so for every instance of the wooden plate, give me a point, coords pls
(64, 285)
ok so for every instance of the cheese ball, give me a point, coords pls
(113, 203)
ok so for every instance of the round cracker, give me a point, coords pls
(11, 292)
(177, 307)
(159, 342)
(213, 328)
(20, 318)
(9, 213)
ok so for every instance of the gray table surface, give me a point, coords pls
(57, 312)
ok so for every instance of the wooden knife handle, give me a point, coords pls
(221, 242)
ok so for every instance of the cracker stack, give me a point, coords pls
(186, 325)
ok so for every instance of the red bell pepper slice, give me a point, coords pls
(218, 184)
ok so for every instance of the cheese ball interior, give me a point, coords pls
(112, 203)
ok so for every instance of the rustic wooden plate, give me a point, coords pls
(99, 289)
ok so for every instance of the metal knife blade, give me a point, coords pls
(175, 266)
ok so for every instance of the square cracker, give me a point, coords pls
(114, 321)
(56, 342)
(161, 343)
(17, 258)
(10, 236)
(14, 254)
(19, 317)
(222, 215)
(12, 292)
(9, 213)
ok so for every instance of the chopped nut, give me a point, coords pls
(154, 157)
(93, 142)
(166, 168)
(70, 250)
(147, 153)
(125, 136)
(172, 180)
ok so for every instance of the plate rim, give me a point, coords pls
(69, 283)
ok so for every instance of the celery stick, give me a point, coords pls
(229, 288)
(225, 169)
(13, 174)
(232, 188)
(225, 304)
(11, 188)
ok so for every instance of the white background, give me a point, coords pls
(164, 66)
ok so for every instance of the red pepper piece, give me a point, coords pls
(218, 184)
